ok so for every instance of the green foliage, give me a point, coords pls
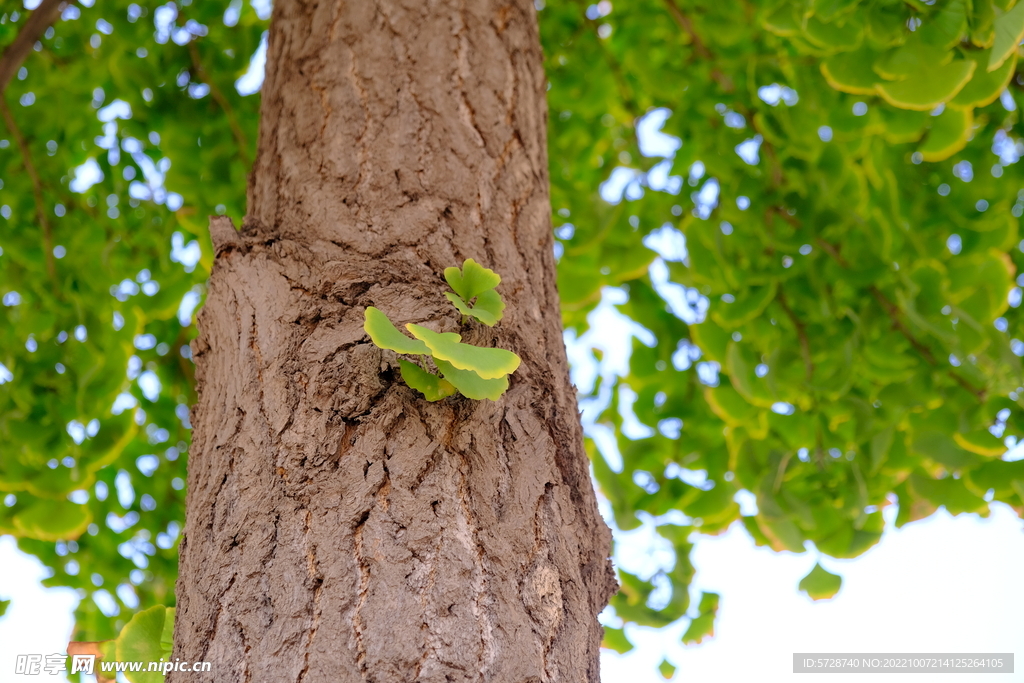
(94, 426)
(843, 333)
(703, 625)
(477, 372)
(840, 331)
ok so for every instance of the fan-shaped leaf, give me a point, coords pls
(487, 363)
(386, 336)
(1009, 30)
(472, 280)
(430, 385)
(472, 385)
(821, 584)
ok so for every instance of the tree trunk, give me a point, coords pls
(339, 527)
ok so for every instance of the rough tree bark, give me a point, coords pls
(339, 527)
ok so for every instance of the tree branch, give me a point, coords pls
(801, 333)
(894, 313)
(699, 47)
(222, 101)
(37, 192)
(34, 28)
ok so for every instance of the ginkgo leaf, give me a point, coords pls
(432, 387)
(948, 134)
(386, 336)
(472, 280)
(985, 86)
(703, 625)
(52, 520)
(490, 302)
(472, 385)
(929, 87)
(488, 308)
(851, 72)
(821, 584)
(1009, 30)
(486, 362)
(146, 638)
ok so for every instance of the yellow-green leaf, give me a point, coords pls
(666, 669)
(930, 88)
(472, 385)
(981, 442)
(851, 72)
(1009, 30)
(615, 639)
(52, 520)
(748, 305)
(486, 362)
(821, 584)
(386, 336)
(947, 135)
(146, 638)
(985, 86)
(430, 385)
(703, 625)
(488, 308)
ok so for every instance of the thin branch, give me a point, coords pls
(781, 471)
(801, 333)
(894, 313)
(34, 28)
(699, 47)
(222, 101)
(37, 192)
(831, 250)
(684, 23)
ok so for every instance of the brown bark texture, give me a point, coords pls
(340, 527)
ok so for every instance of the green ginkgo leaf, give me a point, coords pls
(490, 302)
(472, 385)
(386, 336)
(472, 280)
(1009, 30)
(821, 584)
(985, 86)
(430, 385)
(851, 72)
(486, 362)
(929, 87)
(488, 308)
(948, 134)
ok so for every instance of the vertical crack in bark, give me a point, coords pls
(318, 587)
(467, 532)
(364, 588)
(219, 601)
